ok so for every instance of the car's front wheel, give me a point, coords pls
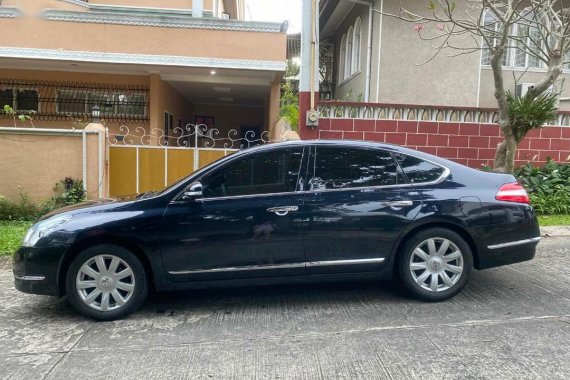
(436, 264)
(106, 282)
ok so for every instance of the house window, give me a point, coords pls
(6, 98)
(168, 125)
(20, 100)
(75, 102)
(515, 55)
(27, 100)
(71, 102)
(349, 52)
(357, 46)
(493, 25)
(342, 55)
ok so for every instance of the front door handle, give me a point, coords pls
(283, 210)
(401, 203)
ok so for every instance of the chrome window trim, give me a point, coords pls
(515, 243)
(280, 266)
(442, 177)
(29, 278)
(359, 188)
(345, 262)
(248, 196)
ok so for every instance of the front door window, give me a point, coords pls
(262, 173)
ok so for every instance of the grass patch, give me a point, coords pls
(11, 235)
(554, 220)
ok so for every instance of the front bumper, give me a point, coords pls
(35, 270)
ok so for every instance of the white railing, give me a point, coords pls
(376, 111)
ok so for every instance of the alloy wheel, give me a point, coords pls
(436, 264)
(105, 282)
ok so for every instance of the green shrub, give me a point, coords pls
(68, 191)
(25, 209)
(548, 186)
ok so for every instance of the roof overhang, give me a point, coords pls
(139, 59)
(332, 14)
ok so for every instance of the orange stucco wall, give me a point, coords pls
(33, 164)
(32, 31)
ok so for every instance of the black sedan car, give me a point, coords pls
(294, 211)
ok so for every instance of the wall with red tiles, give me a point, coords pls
(467, 143)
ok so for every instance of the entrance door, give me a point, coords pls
(357, 205)
(247, 223)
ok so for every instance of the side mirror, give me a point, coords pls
(193, 191)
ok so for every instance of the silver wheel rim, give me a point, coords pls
(105, 282)
(436, 264)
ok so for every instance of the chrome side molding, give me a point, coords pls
(514, 243)
(345, 262)
(241, 268)
(30, 278)
(281, 266)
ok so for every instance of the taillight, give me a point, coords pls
(512, 192)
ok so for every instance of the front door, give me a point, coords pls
(246, 224)
(357, 204)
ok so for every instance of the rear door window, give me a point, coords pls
(345, 168)
(419, 171)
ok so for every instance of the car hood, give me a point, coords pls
(95, 205)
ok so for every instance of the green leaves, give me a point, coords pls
(528, 112)
(548, 186)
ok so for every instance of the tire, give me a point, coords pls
(432, 272)
(106, 282)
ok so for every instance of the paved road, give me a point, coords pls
(510, 322)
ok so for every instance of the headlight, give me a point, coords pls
(44, 228)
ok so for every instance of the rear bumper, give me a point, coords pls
(508, 253)
(35, 270)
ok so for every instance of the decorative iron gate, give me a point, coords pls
(140, 161)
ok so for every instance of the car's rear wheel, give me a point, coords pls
(436, 264)
(106, 282)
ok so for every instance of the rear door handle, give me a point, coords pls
(283, 210)
(401, 203)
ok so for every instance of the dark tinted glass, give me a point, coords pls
(262, 173)
(27, 100)
(340, 168)
(418, 170)
(6, 98)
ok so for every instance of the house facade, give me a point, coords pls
(147, 66)
(380, 59)
(380, 82)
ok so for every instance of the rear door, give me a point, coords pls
(357, 204)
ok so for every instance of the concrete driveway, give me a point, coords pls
(510, 322)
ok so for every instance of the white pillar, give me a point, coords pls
(309, 42)
(197, 8)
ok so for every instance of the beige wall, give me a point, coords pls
(35, 32)
(36, 162)
(174, 4)
(442, 81)
(171, 4)
(487, 97)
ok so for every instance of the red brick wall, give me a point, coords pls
(467, 143)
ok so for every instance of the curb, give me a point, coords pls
(555, 231)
